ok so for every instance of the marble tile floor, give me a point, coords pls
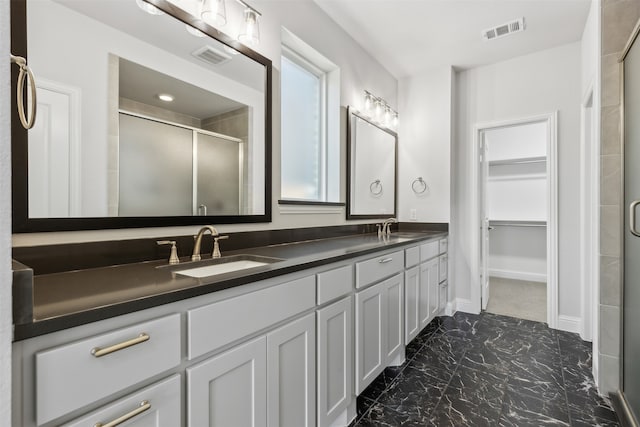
(488, 370)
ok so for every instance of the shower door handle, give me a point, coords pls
(632, 218)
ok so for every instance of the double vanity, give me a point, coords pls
(290, 342)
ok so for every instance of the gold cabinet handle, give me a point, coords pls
(385, 260)
(144, 406)
(99, 352)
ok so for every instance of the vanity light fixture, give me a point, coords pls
(379, 111)
(214, 12)
(165, 97)
(250, 34)
(149, 8)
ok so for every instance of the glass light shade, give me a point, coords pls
(387, 116)
(214, 12)
(149, 8)
(368, 103)
(394, 122)
(379, 109)
(194, 31)
(250, 34)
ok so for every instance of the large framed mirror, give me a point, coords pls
(143, 119)
(372, 159)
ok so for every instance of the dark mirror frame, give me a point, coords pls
(19, 140)
(353, 112)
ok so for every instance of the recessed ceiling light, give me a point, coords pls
(165, 97)
(149, 8)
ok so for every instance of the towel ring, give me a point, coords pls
(421, 185)
(25, 73)
(376, 185)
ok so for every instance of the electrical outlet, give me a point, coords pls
(413, 215)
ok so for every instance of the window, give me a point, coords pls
(310, 160)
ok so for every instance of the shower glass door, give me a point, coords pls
(631, 300)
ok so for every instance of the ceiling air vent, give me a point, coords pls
(211, 55)
(504, 29)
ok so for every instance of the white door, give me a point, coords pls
(291, 374)
(484, 234)
(52, 153)
(335, 360)
(229, 389)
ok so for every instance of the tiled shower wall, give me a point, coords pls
(619, 17)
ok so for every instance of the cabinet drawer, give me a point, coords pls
(378, 268)
(215, 325)
(333, 284)
(412, 257)
(444, 246)
(158, 405)
(429, 250)
(444, 267)
(73, 375)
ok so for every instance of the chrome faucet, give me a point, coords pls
(386, 226)
(198, 241)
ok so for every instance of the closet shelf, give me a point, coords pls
(517, 223)
(518, 161)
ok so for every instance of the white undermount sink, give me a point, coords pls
(226, 265)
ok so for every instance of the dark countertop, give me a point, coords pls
(67, 299)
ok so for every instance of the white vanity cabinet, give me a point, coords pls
(335, 360)
(425, 285)
(291, 374)
(229, 389)
(159, 405)
(379, 329)
(293, 350)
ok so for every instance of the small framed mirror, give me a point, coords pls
(372, 165)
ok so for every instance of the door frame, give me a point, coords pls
(551, 119)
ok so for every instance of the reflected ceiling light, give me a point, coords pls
(230, 50)
(149, 8)
(194, 31)
(250, 34)
(387, 115)
(165, 97)
(394, 121)
(214, 12)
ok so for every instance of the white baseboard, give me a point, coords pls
(450, 308)
(465, 305)
(569, 324)
(517, 275)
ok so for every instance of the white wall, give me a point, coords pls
(358, 71)
(518, 253)
(529, 85)
(5, 219)
(424, 144)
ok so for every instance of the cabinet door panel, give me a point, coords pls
(335, 360)
(395, 316)
(163, 402)
(229, 389)
(370, 335)
(291, 374)
(411, 304)
(428, 282)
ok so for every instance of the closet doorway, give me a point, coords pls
(516, 182)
